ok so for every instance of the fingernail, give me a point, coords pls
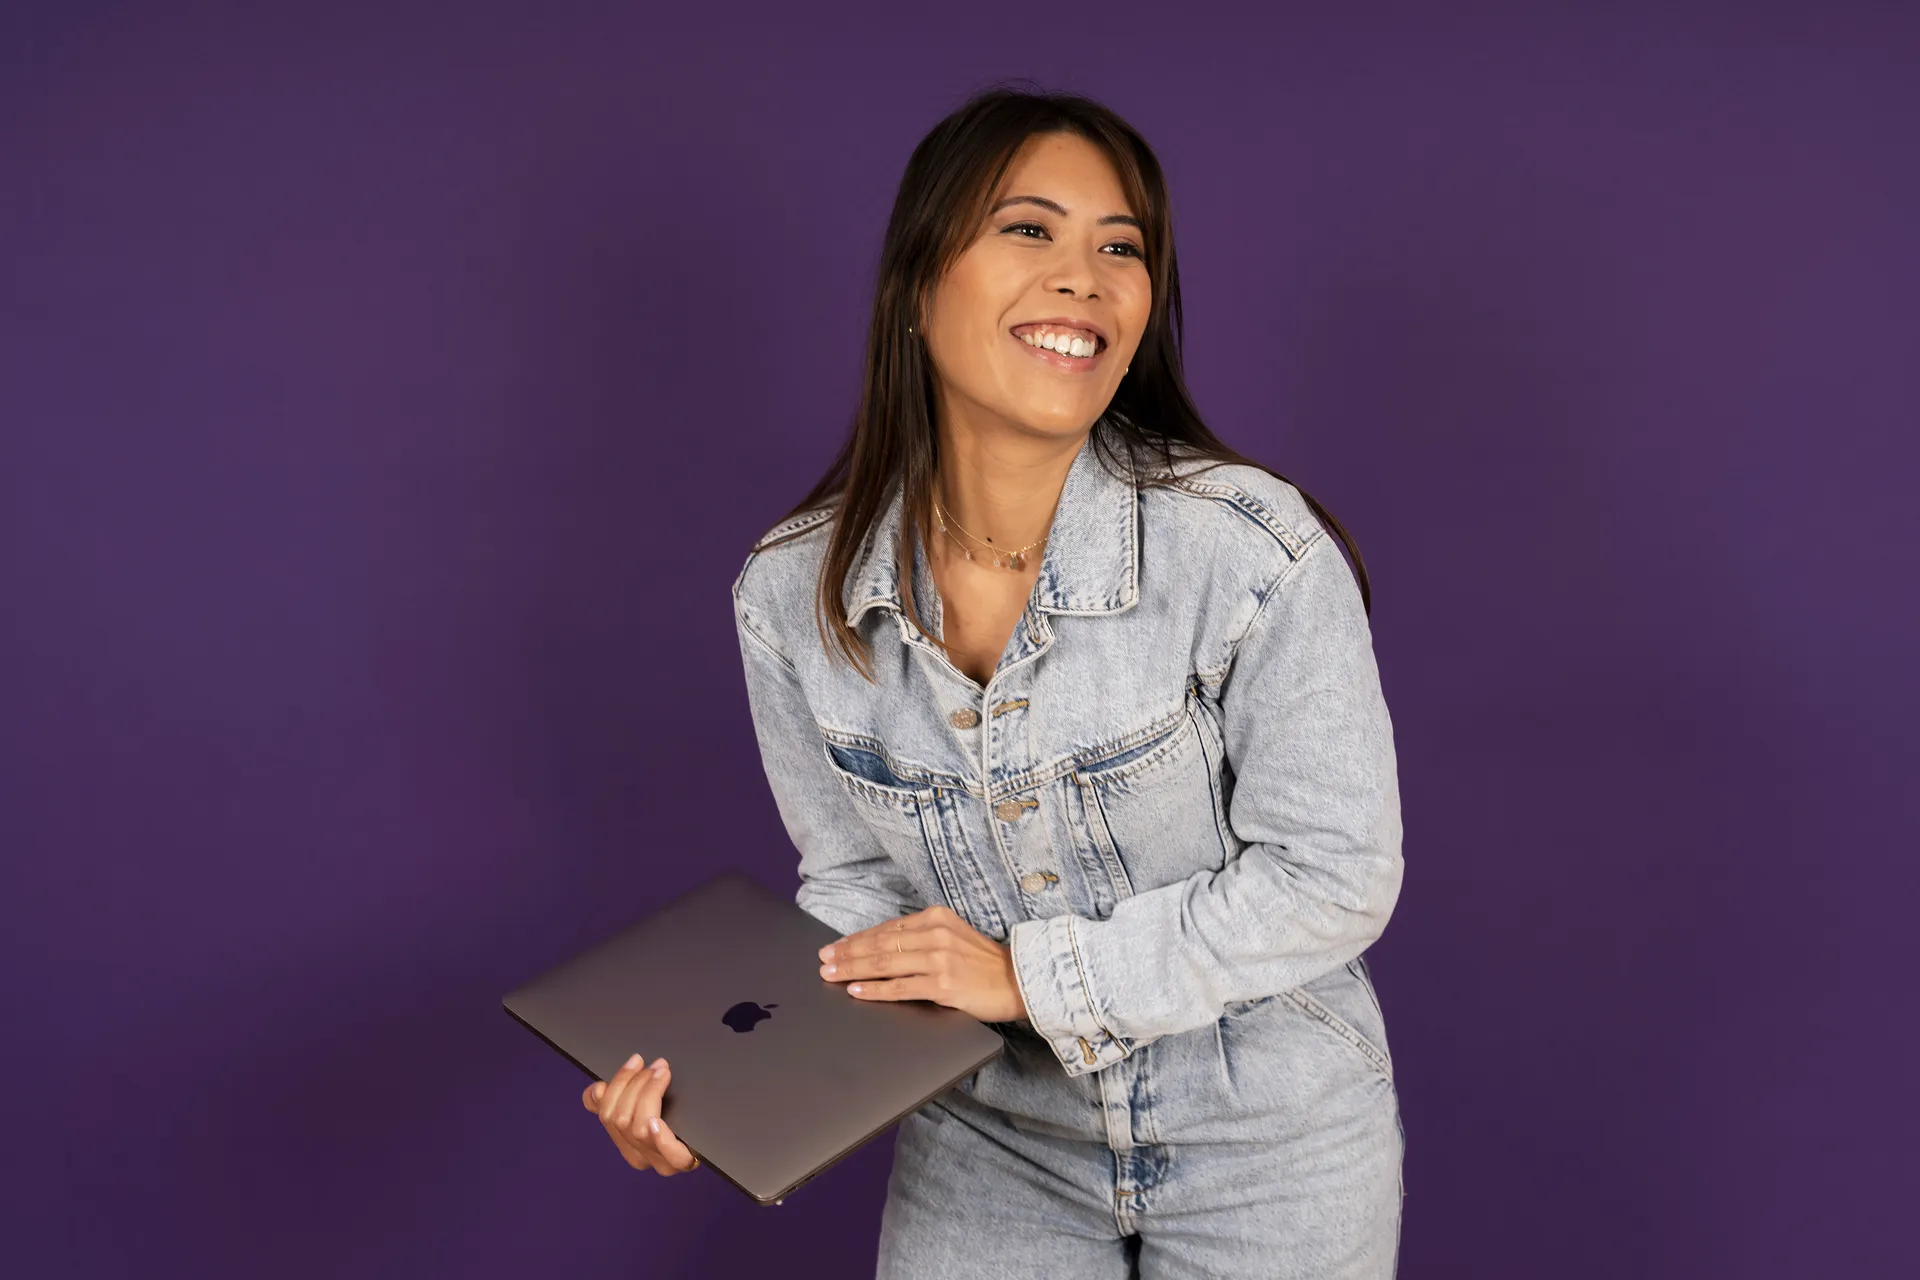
(599, 1092)
(832, 969)
(654, 1124)
(634, 1061)
(660, 1067)
(826, 953)
(855, 988)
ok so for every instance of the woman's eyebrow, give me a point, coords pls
(1056, 207)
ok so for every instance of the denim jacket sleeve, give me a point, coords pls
(847, 880)
(1316, 797)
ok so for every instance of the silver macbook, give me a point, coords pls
(777, 1073)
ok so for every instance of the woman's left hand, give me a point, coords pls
(930, 955)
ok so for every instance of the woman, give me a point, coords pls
(1073, 715)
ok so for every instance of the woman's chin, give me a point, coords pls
(1055, 418)
(1064, 424)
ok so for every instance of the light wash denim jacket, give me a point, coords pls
(1176, 798)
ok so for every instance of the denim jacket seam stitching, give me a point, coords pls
(788, 529)
(1086, 987)
(878, 791)
(1105, 846)
(923, 777)
(1020, 985)
(1272, 592)
(1221, 820)
(1158, 748)
(1072, 764)
(1291, 540)
(741, 577)
(747, 628)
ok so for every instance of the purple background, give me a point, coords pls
(389, 396)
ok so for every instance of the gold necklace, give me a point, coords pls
(1005, 559)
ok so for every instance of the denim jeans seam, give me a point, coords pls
(1340, 1027)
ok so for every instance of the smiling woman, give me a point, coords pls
(1073, 717)
(995, 200)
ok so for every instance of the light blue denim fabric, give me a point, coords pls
(1177, 800)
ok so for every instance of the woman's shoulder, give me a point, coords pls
(793, 528)
(782, 567)
(1234, 506)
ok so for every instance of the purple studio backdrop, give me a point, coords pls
(389, 394)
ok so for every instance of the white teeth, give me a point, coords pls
(1081, 348)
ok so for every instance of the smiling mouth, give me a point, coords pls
(1063, 344)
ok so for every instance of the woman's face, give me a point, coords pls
(1059, 260)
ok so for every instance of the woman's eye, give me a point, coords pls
(1128, 249)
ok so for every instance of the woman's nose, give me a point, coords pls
(1072, 279)
(1073, 273)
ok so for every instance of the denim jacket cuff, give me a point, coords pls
(1047, 966)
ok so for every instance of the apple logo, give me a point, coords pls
(743, 1016)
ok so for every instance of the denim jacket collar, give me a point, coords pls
(1091, 564)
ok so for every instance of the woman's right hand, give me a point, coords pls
(629, 1109)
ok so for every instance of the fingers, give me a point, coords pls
(672, 1150)
(887, 952)
(933, 955)
(647, 1104)
(640, 1103)
(613, 1094)
(671, 1155)
(880, 937)
(607, 1094)
(633, 1119)
(614, 1099)
(881, 965)
(933, 963)
(892, 989)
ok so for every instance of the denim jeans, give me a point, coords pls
(1286, 1166)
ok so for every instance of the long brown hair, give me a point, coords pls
(944, 195)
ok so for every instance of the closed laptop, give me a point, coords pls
(777, 1073)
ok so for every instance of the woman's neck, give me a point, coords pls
(1003, 488)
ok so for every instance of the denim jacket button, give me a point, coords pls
(1033, 882)
(964, 718)
(1007, 810)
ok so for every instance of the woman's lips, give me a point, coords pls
(1071, 364)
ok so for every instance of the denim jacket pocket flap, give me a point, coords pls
(1127, 761)
(868, 774)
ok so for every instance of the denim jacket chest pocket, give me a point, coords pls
(910, 812)
(1151, 805)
